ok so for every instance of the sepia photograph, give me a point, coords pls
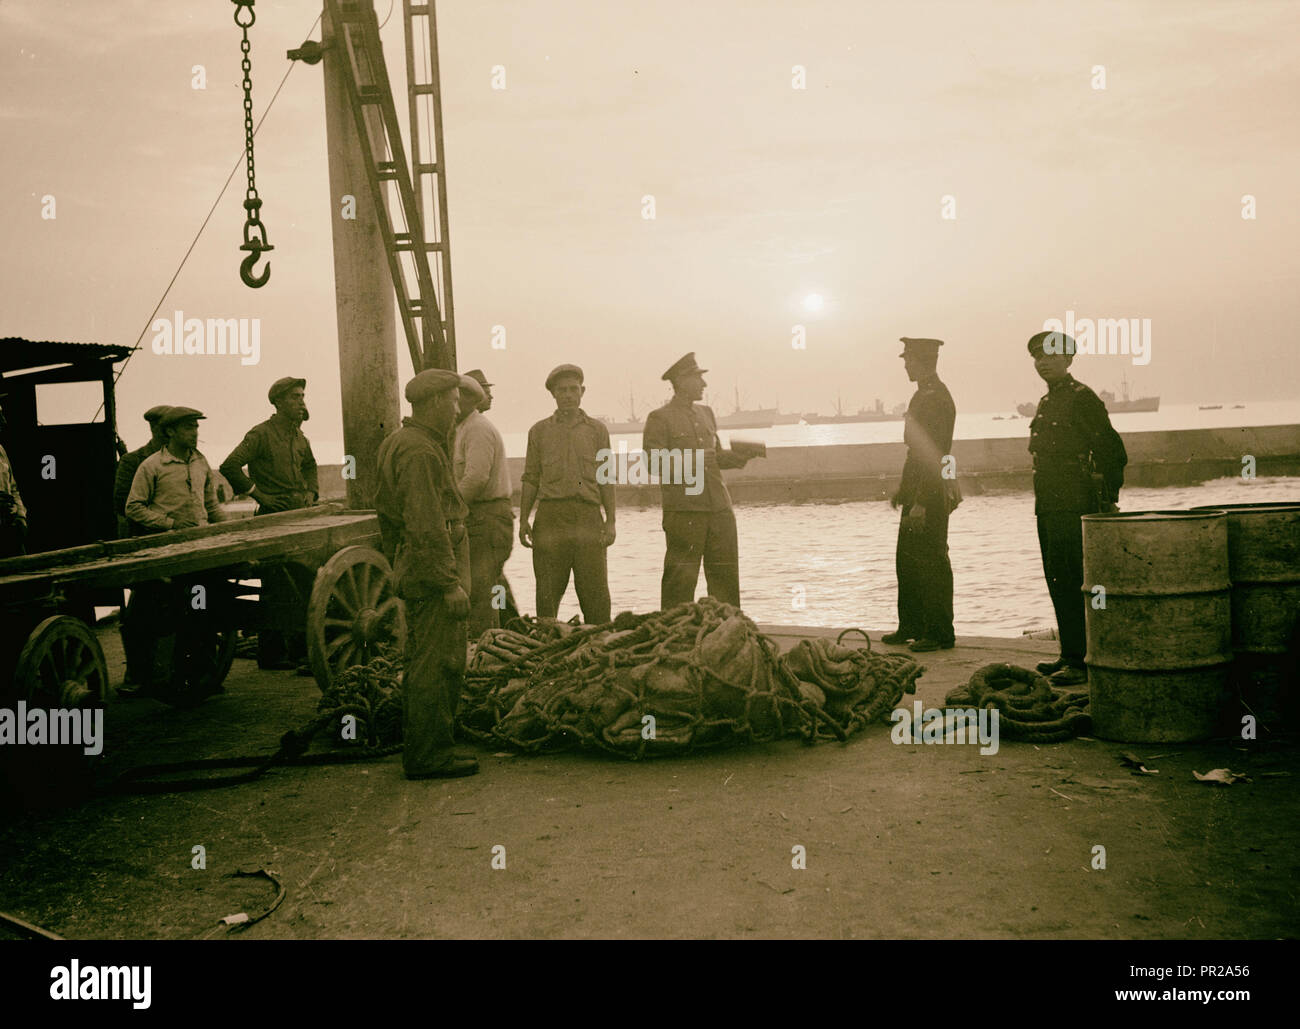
(574, 470)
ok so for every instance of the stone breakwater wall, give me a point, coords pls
(870, 471)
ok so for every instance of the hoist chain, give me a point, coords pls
(254, 231)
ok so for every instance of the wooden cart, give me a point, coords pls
(50, 657)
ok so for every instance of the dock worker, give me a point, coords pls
(174, 488)
(699, 527)
(13, 513)
(921, 559)
(127, 466)
(422, 523)
(570, 535)
(1079, 462)
(483, 479)
(282, 472)
(282, 476)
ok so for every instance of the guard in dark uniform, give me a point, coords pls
(422, 522)
(1079, 462)
(700, 527)
(921, 560)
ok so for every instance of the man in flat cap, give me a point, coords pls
(483, 479)
(174, 488)
(569, 536)
(699, 527)
(921, 559)
(1079, 462)
(13, 513)
(282, 476)
(422, 522)
(281, 467)
(126, 468)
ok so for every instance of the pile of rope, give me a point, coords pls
(372, 693)
(1028, 707)
(695, 676)
(850, 687)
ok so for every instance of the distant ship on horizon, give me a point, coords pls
(872, 414)
(1128, 405)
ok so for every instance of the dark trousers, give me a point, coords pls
(433, 677)
(1060, 540)
(695, 537)
(567, 539)
(924, 576)
(491, 528)
(280, 602)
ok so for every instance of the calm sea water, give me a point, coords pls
(838, 559)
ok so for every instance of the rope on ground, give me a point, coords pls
(1028, 707)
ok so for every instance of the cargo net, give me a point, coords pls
(1028, 706)
(696, 676)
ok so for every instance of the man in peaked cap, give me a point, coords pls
(700, 527)
(282, 476)
(921, 560)
(126, 467)
(569, 536)
(483, 479)
(422, 523)
(1079, 462)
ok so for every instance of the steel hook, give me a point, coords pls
(246, 271)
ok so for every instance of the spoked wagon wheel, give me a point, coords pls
(61, 668)
(353, 613)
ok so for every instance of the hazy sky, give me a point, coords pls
(1122, 202)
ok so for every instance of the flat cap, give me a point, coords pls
(431, 382)
(179, 414)
(477, 375)
(1052, 343)
(560, 371)
(155, 414)
(684, 366)
(470, 385)
(283, 386)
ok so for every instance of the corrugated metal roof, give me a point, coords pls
(17, 354)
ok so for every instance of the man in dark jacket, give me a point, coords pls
(921, 560)
(126, 467)
(1079, 462)
(422, 523)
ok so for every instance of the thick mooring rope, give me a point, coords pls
(1029, 709)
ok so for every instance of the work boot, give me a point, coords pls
(1048, 667)
(921, 646)
(1070, 676)
(899, 638)
(458, 767)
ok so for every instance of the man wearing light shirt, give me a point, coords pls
(483, 478)
(174, 488)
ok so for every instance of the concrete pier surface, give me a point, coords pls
(901, 840)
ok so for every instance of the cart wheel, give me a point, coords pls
(61, 665)
(352, 613)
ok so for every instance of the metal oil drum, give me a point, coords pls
(1264, 565)
(1158, 602)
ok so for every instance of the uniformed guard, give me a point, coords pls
(126, 467)
(282, 476)
(483, 478)
(700, 526)
(569, 535)
(13, 513)
(1079, 462)
(422, 523)
(921, 559)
